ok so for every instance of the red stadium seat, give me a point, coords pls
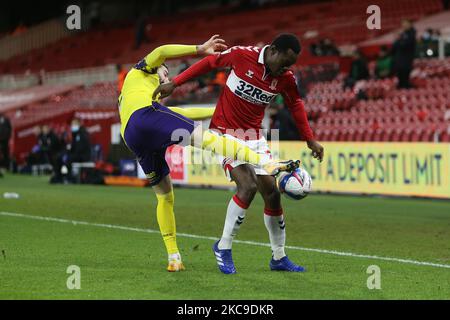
(87, 48)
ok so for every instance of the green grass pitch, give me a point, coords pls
(129, 263)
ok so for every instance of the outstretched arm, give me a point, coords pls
(159, 55)
(224, 59)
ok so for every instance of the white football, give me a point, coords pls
(295, 185)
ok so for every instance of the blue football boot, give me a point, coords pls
(284, 264)
(224, 259)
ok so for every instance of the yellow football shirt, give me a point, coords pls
(142, 80)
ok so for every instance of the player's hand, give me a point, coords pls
(164, 89)
(213, 45)
(317, 149)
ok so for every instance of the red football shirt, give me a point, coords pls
(249, 90)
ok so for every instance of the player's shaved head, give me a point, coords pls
(282, 53)
(286, 41)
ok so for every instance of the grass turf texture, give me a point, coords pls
(123, 264)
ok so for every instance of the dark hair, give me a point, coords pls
(286, 41)
(155, 69)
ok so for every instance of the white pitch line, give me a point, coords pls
(254, 243)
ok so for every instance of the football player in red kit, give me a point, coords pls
(257, 76)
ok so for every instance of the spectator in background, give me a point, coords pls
(79, 150)
(121, 75)
(21, 28)
(358, 70)
(314, 49)
(45, 151)
(403, 51)
(426, 36)
(436, 35)
(94, 14)
(383, 66)
(429, 43)
(141, 31)
(219, 81)
(34, 157)
(302, 83)
(80, 147)
(183, 66)
(49, 145)
(325, 47)
(284, 121)
(5, 135)
(446, 4)
(329, 48)
(434, 45)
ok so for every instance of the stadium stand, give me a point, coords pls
(80, 72)
(11, 101)
(57, 105)
(337, 20)
(418, 114)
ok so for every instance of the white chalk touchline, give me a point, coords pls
(186, 235)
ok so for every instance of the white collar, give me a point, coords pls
(261, 55)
